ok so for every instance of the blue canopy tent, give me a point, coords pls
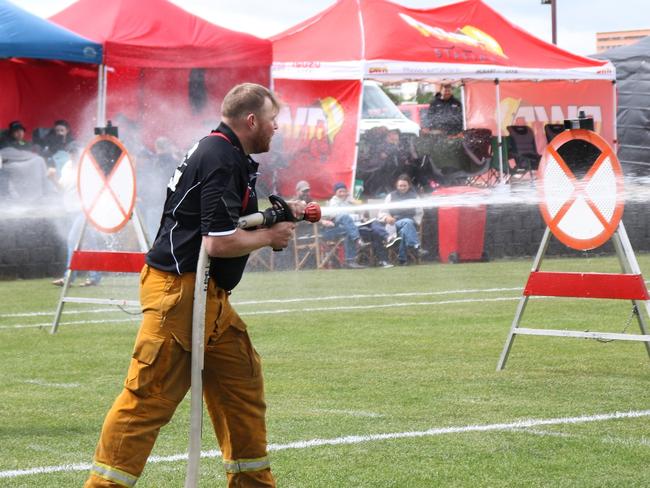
(24, 35)
(47, 72)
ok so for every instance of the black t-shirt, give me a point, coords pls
(209, 191)
(445, 115)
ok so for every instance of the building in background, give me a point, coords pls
(609, 40)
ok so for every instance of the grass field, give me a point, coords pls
(374, 378)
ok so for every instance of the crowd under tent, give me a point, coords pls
(44, 69)
(505, 75)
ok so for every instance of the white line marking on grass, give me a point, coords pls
(289, 310)
(381, 305)
(65, 312)
(53, 385)
(375, 295)
(77, 322)
(283, 300)
(357, 439)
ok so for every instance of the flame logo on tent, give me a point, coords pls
(335, 116)
(469, 35)
(324, 118)
(508, 108)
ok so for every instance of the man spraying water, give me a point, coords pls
(208, 194)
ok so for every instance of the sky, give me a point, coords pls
(577, 20)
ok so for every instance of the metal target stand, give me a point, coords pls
(104, 261)
(629, 285)
(101, 160)
(576, 204)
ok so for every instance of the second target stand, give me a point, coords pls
(581, 200)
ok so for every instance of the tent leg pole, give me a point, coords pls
(100, 89)
(614, 117)
(499, 137)
(463, 104)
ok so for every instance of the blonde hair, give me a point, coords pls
(245, 99)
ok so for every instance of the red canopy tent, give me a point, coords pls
(319, 65)
(32, 50)
(165, 70)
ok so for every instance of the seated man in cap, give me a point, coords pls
(16, 137)
(303, 191)
(28, 177)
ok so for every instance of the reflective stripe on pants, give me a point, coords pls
(159, 376)
(115, 475)
(244, 465)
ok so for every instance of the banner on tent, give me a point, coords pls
(537, 104)
(317, 133)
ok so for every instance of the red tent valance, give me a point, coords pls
(158, 34)
(375, 38)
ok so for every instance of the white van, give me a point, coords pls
(379, 110)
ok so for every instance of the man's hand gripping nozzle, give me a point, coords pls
(279, 211)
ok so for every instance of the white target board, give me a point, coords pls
(106, 184)
(582, 213)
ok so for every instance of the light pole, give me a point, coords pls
(553, 4)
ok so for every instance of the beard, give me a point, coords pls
(261, 143)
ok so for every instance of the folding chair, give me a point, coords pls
(262, 258)
(331, 253)
(523, 149)
(309, 246)
(442, 159)
(412, 255)
(305, 245)
(499, 168)
(551, 130)
(477, 144)
(457, 162)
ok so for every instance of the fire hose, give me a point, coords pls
(278, 212)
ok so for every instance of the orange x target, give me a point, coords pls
(106, 184)
(581, 213)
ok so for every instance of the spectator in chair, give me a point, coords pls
(16, 137)
(405, 220)
(303, 190)
(29, 178)
(59, 138)
(343, 225)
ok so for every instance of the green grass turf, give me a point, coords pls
(397, 365)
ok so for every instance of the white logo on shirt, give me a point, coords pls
(173, 181)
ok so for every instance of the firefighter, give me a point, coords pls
(210, 190)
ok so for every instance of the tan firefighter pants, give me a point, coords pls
(159, 377)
